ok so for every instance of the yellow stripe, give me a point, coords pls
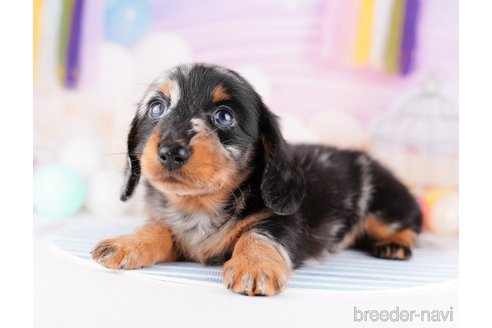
(364, 35)
(36, 34)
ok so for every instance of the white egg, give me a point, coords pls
(83, 154)
(339, 129)
(295, 130)
(103, 197)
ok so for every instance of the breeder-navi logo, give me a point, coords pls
(403, 315)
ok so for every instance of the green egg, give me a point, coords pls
(59, 192)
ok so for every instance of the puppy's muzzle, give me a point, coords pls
(173, 155)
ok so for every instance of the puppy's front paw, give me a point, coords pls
(120, 253)
(251, 276)
(148, 245)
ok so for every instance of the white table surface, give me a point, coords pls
(70, 293)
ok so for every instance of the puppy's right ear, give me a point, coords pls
(132, 171)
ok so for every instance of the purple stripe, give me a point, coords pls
(409, 36)
(74, 45)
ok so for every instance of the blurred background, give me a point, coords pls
(376, 75)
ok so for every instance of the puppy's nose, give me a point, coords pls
(173, 155)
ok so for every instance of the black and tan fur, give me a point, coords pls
(243, 197)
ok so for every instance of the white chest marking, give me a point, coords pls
(197, 232)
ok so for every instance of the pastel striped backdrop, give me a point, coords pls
(315, 55)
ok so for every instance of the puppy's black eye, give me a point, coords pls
(222, 117)
(157, 109)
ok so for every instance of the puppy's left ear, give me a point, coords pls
(282, 186)
(132, 171)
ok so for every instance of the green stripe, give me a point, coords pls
(65, 25)
(393, 47)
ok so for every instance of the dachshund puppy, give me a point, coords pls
(224, 187)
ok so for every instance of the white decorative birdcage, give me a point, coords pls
(418, 139)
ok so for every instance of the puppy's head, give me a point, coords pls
(200, 130)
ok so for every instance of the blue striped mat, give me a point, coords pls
(349, 271)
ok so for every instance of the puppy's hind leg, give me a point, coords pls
(148, 245)
(386, 241)
(393, 217)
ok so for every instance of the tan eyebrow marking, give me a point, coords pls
(167, 88)
(219, 93)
